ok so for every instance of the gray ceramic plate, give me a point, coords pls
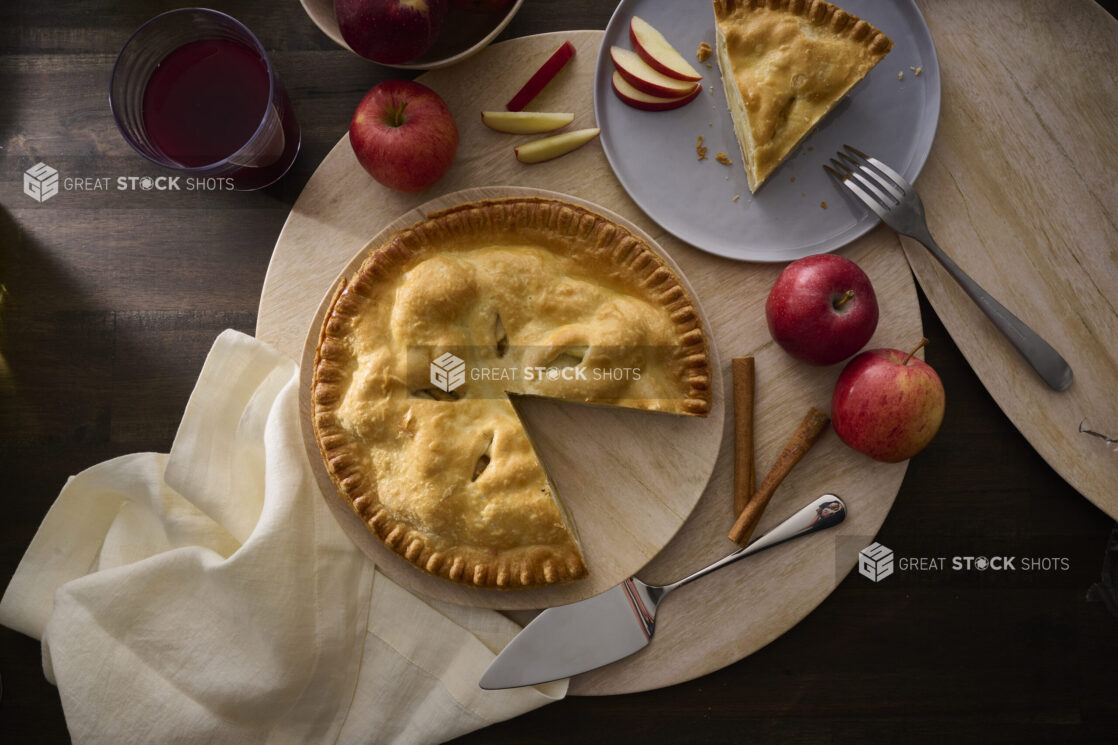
(653, 153)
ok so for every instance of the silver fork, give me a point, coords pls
(898, 205)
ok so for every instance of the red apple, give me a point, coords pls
(822, 309)
(404, 135)
(390, 31)
(887, 404)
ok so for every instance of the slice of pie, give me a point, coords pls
(785, 64)
(421, 347)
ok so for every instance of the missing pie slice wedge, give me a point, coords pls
(422, 346)
(785, 64)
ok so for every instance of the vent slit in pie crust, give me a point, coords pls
(445, 475)
(785, 64)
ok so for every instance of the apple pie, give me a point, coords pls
(422, 346)
(785, 64)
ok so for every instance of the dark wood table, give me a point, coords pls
(108, 305)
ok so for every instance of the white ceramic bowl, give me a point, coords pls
(464, 34)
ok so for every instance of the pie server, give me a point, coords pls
(571, 639)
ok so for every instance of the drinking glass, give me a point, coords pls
(193, 90)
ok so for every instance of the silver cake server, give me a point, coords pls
(571, 639)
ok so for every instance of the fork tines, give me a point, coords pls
(875, 183)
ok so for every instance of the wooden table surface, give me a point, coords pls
(109, 303)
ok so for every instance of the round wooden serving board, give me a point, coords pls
(730, 614)
(1020, 191)
(628, 478)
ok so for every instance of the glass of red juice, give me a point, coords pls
(193, 90)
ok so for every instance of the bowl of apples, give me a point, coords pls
(410, 35)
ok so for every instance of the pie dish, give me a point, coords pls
(785, 64)
(421, 347)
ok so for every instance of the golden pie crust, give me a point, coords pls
(785, 64)
(449, 480)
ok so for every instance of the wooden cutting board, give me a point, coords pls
(730, 614)
(1019, 189)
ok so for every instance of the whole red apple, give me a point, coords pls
(390, 31)
(822, 309)
(404, 135)
(887, 404)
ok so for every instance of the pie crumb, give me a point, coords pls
(709, 65)
(900, 75)
(823, 205)
(736, 197)
(810, 148)
(723, 159)
(703, 52)
(793, 179)
(916, 70)
(700, 149)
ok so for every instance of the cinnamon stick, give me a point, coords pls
(808, 432)
(745, 477)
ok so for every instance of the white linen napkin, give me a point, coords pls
(209, 596)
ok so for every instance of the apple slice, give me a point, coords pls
(538, 151)
(525, 122)
(642, 77)
(542, 77)
(661, 56)
(641, 100)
